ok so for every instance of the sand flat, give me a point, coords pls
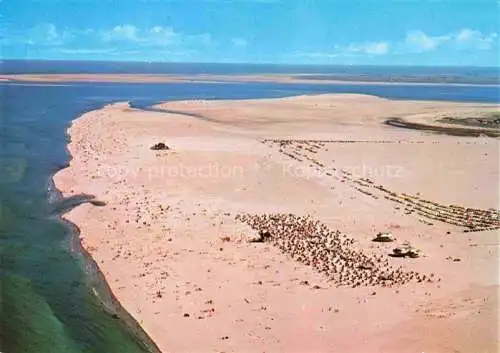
(179, 262)
(214, 78)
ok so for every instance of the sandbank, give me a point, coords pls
(174, 251)
(220, 78)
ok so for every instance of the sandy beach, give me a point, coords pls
(253, 231)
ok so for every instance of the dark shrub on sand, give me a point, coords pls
(159, 146)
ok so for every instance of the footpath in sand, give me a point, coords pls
(253, 231)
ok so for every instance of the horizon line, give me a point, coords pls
(243, 63)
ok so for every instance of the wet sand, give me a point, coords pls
(253, 231)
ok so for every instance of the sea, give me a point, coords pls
(53, 296)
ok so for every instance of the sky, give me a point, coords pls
(350, 32)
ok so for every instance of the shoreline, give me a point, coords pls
(217, 78)
(105, 295)
(184, 226)
(95, 279)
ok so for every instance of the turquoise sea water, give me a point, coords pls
(48, 284)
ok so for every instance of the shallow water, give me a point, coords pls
(48, 301)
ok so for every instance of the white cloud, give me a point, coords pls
(46, 34)
(156, 36)
(239, 42)
(124, 39)
(350, 51)
(120, 33)
(153, 35)
(420, 41)
(49, 32)
(370, 48)
(160, 35)
(476, 39)
(465, 38)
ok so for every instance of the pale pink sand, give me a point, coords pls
(278, 78)
(163, 231)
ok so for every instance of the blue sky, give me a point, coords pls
(369, 32)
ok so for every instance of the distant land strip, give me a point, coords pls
(449, 130)
(265, 78)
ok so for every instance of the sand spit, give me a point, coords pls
(254, 230)
(444, 128)
(207, 78)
